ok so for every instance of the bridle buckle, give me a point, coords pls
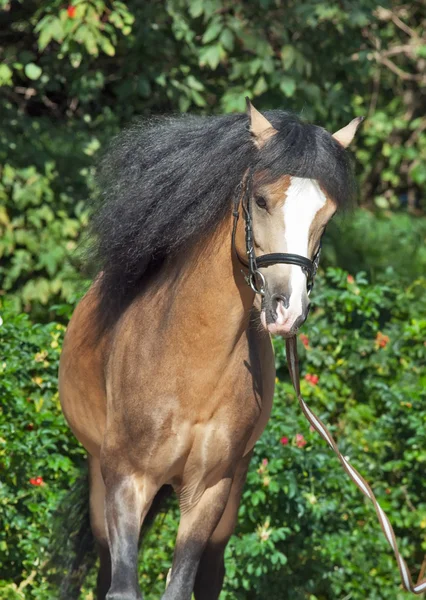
(253, 281)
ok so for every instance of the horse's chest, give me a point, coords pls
(197, 419)
(236, 409)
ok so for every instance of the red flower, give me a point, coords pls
(265, 462)
(350, 279)
(30, 426)
(36, 481)
(311, 378)
(382, 340)
(71, 11)
(300, 440)
(284, 441)
(304, 339)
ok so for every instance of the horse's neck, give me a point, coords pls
(206, 291)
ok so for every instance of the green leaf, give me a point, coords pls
(195, 84)
(184, 103)
(5, 75)
(44, 38)
(260, 87)
(418, 173)
(32, 71)
(107, 47)
(287, 86)
(50, 27)
(227, 39)
(288, 56)
(421, 51)
(210, 56)
(196, 8)
(212, 31)
(198, 99)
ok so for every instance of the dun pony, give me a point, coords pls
(164, 378)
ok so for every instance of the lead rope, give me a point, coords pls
(318, 425)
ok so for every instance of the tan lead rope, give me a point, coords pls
(293, 366)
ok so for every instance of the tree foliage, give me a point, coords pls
(72, 76)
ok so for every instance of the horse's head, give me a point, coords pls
(289, 215)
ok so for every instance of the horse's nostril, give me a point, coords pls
(279, 298)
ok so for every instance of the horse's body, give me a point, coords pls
(187, 401)
(176, 391)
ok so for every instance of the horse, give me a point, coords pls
(167, 370)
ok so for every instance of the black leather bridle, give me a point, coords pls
(254, 278)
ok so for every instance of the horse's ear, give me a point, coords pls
(260, 128)
(345, 135)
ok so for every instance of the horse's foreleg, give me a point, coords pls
(211, 570)
(127, 501)
(97, 521)
(195, 528)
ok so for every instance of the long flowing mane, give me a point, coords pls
(167, 182)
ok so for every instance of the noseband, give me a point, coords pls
(255, 278)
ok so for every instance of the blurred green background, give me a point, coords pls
(72, 76)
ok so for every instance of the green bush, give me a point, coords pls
(385, 246)
(41, 227)
(304, 532)
(38, 456)
(365, 344)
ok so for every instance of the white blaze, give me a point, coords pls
(304, 199)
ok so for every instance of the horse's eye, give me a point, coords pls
(260, 201)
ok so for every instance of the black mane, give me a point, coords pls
(166, 183)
